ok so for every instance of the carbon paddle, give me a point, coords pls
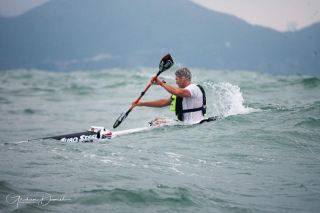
(165, 63)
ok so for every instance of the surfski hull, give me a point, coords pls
(99, 134)
(86, 136)
(89, 136)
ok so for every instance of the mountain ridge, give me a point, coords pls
(69, 34)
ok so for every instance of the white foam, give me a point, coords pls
(227, 99)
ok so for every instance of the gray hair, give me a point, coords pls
(184, 72)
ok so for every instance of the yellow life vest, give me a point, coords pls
(173, 103)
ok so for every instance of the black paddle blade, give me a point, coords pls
(165, 63)
(121, 118)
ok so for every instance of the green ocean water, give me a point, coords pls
(263, 155)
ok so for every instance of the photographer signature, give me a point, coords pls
(40, 198)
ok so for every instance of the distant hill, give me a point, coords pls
(95, 34)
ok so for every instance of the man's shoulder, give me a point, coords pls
(194, 89)
(192, 86)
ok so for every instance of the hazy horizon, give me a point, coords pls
(286, 15)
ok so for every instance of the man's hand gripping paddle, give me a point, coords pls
(165, 63)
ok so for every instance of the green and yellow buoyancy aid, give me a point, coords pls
(176, 105)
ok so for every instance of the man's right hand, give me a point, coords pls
(155, 80)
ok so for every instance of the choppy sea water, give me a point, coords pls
(263, 155)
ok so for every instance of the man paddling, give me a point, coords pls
(188, 100)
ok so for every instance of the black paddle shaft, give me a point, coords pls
(165, 64)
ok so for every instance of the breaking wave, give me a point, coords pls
(227, 99)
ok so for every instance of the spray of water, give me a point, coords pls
(226, 99)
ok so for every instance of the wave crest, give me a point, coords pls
(227, 99)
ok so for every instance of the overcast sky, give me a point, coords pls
(10, 8)
(281, 15)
